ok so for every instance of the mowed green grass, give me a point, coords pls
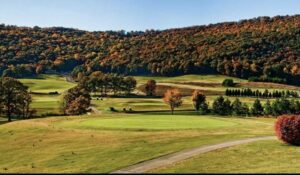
(207, 84)
(257, 157)
(110, 141)
(137, 104)
(157, 104)
(83, 144)
(188, 78)
(47, 83)
(154, 122)
(45, 103)
(50, 103)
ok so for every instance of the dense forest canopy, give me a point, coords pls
(263, 47)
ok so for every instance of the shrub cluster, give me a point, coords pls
(287, 129)
(228, 83)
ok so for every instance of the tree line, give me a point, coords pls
(247, 92)
(222, 106)
(259, 49)
(278, 107)
(104, 84)
(77, 100)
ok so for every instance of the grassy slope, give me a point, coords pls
(258, 157)
(208, 84)
(189, 78)
(150, 122)
(112, 141)
(47, 83)
(141, 104)
(45, 103)
(82, 144)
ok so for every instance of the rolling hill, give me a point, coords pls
(263, 48)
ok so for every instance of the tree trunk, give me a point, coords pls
(172, 109)
(8, 110)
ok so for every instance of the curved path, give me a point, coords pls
(182, 155)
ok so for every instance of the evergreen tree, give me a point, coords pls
(268, 108)
(266, 93)
(228, 106)
(276, 108)
(297, 107)
(220, 106)
(257, 108)
(199, 102)
(227, 92)
(245, 109)
(237, 107)
(203, 108)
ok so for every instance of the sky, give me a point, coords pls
(103, 15)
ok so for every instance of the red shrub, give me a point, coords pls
(287, 129)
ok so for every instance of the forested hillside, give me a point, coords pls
(263, 48)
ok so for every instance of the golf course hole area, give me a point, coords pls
(153, 122)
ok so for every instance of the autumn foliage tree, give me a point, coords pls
(76, 101)
(172, 97)
(100, 83)
(257, 108)
(150, 87)
(259, 49)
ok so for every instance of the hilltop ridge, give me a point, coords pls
(261, 48)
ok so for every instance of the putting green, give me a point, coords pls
(154, 122)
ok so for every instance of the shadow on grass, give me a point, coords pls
(37, 77)
(164, 112)
(3, 122)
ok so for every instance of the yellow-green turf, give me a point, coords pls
(113, 140)
(188, 78)
(81, 144)
(47, 83)
(258, 157)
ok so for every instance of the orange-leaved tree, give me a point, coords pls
(172, 97)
